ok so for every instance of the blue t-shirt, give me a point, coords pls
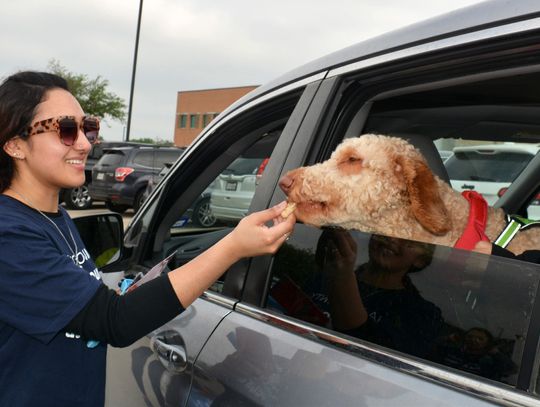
(43, 286)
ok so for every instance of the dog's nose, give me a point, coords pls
(285, 183)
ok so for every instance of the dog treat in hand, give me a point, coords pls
(291, 206)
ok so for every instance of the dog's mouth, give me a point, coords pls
(311, 207)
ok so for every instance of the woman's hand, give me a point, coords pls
(252, 236)
(336, 252)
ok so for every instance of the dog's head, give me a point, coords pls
(367, 181)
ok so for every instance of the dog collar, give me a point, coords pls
(514, 224)
(476, 225)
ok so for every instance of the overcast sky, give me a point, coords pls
(190, 44)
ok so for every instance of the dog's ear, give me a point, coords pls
(426, 203)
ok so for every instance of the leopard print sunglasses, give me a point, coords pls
(67, 128)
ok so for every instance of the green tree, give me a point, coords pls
(145, 140)
(148, 140)
(92, 94)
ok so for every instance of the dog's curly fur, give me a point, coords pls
(383, 185)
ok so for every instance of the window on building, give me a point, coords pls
(182, 121)
(194, 121)
(207, 118)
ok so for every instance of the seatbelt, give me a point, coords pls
(515, 223)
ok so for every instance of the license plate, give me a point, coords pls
(231, 186)
(100, 176)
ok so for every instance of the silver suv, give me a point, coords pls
(459, 329)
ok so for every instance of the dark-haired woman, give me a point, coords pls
(51, 299)
(377, 301)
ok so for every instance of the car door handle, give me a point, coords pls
(465, 186)
(170, 351)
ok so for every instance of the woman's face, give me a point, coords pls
(47, 160)
(394, 255)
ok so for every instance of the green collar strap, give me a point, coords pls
(514, 224)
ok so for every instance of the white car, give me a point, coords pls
(490, 168)
(235, 187)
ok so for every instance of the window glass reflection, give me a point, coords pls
(452, 307)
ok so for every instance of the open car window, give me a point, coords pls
(202, 201)
(491, 133)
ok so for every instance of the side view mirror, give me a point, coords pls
(103, 235)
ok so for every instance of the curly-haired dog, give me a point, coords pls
(382, 184)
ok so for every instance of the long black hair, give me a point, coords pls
(20, 93)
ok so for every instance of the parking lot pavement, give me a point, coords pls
(99, 207)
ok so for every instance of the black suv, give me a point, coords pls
(121, 175)
(79, 198)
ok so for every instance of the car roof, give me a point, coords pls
(505, 147)
(105, 143)
(462, 21)
(143, 147)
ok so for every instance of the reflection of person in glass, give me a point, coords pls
(475, 352)
(378, 301)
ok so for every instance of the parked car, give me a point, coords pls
(445, 154)
(234, 188)
(490, 169)
(265, 333)
(200, 213)
(121, 175)
(79, 198)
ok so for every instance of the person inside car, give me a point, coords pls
(377, 301)
(54, 309)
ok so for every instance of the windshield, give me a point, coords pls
(493, 167)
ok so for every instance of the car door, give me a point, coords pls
(280, 346)
(162, 363)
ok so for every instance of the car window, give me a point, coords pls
(112, 158)
(243, 166)
(156, 158)
(446, 306)
(227, 199)
(166, 156)
(145, 158)
(491, 166)
(96, 151)
(201, 201)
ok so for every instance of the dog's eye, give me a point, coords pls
(349, 165)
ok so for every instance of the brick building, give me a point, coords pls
(196, 108)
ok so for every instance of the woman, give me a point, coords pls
(377, 301)
(51, 300)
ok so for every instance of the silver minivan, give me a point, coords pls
(464, 328)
